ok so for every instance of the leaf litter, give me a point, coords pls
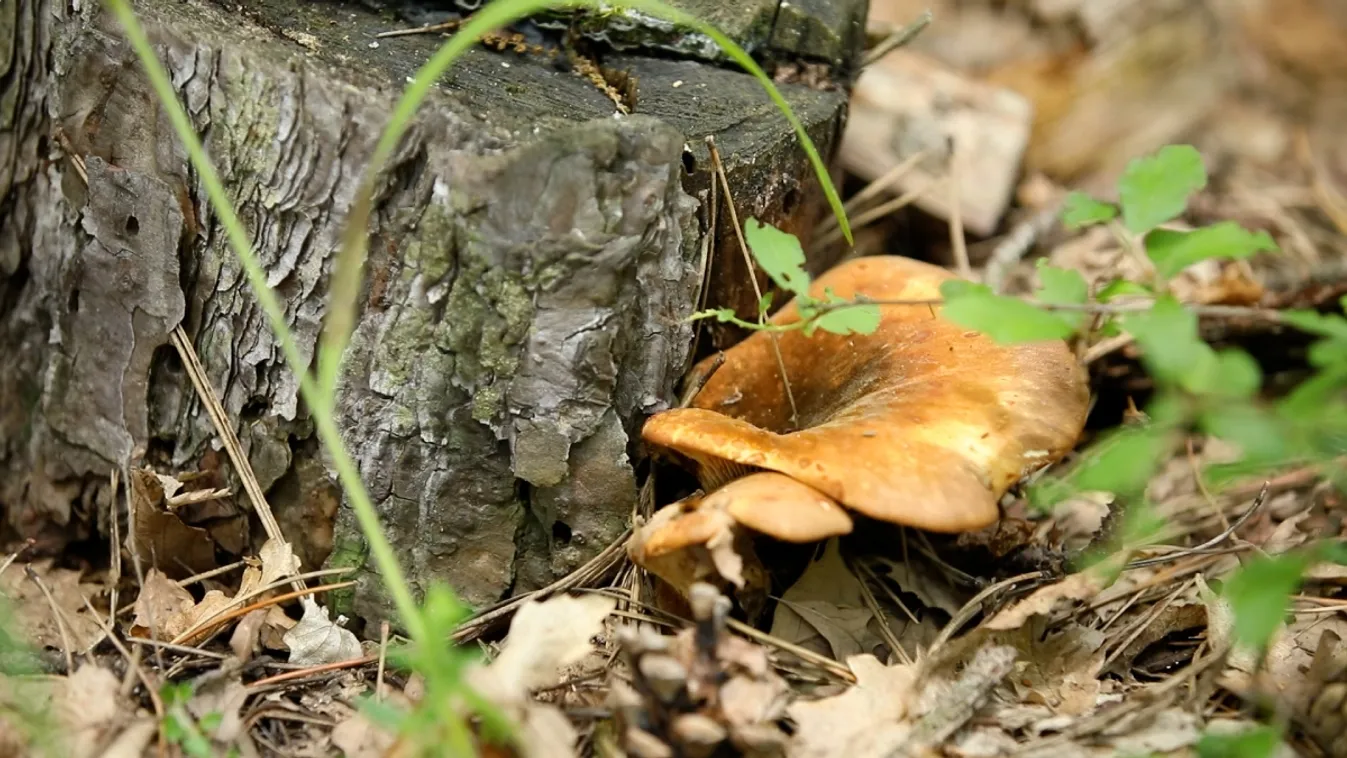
(1142, 664)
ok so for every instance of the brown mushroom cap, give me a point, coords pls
(781, 507)
(921, 423)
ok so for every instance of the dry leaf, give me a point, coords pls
(214, 604)
(160, 537)
(317, 640)
(1044, 600)
(359, 737)
(90, 710)
(827, 602)
(161, 603)
(244, 640)
(929, 587)
(865, 721)
(32, 613)
(544, 637)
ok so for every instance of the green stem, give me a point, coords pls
(320, 404)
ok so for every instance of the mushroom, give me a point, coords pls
(688, 541)
(921, 423)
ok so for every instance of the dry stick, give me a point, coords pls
(1206, 547)
(115, 546)
(899, 37)
(1010, 250)
(301, 673)
(955, 188)
(829, 223)
(228, 612)
(383, 660)
(884, 631)
(14, 555)
(57, 614)
(215, 409)
(874, 214)
(189, 581)
(444, 26)
(1144, 622)
(132, 661)
(752, 277)
(184, 649)
(808, 656)
(974, 605)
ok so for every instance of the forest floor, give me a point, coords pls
(916, 648)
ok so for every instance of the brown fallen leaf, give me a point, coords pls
(865, 721)
(359, 737)
(247, 635)
(32, 615)
(1043, 601)
(160, 605)
(826, 605)
(544, 637)
(159, 536)
(318, 640)
(90, 710)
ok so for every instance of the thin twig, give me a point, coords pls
(1206, 547)
(114, 543)
(974, 604)
(899, 37)
(383, 657)
(884, 631)
(132, 660)
(58, 615)
(752, 276)
(444, 26)
(215, 409)
(956, 232)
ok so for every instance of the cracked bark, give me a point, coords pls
(531, 260)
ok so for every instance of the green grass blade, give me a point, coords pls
(320, 403)
(340, 319)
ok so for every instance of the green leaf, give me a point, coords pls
(1155, 189)
(765, 303)
(1004, 319)
(1120, 287)
(860, 318)
(1172, 252)
(1173, 352)
(211, 721)
(1322, 324)
(1124, 462)
(1080, 210)
(1061, 286)
(1258, 742)
(779, 254)
(1237, 375)
(1257, 431)
(1260, 594)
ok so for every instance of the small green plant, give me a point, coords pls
(781, 256)
(24, 713)
(179, 728)
(1198, 389)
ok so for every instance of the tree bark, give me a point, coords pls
(532, 261)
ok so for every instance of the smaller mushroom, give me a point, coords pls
(704, 535)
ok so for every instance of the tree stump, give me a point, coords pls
(533, 258)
